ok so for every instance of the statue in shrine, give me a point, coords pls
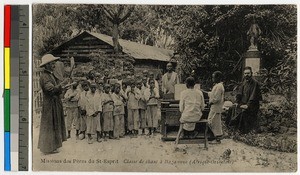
(253, 33)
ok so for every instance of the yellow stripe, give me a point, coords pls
(7, 68)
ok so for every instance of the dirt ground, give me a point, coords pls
(150, 154)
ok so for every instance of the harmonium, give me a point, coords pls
(170, 115)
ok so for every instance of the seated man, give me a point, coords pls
(191, 106)
(248, 98)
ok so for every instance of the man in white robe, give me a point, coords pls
(169, 80)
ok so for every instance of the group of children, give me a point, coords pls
(111, 108)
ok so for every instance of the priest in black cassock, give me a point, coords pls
(248, 98)
(52, 127)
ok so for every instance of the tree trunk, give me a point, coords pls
(115, 38)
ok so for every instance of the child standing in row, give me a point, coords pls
(124, 90)
(93, 109)
(82, 108)
(133, 110)
(151, 96)
(142, 105)
(119, 111)
(107, 112)
(100, 91)
(72, 97)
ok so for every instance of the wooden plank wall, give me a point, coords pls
(81, 49)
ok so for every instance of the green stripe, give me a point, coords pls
(6, 110)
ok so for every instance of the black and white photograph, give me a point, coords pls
(164, 88)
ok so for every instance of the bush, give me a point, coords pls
(277, 125)
(269, 141)
(276, 112)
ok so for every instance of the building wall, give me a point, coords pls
(157, 67)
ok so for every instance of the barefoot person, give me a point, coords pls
(151, 96)
(142, 104)
(133, 110)
(52, 127)
(93, 109)
(216, 100)
(107, 113)
(82, 109)
(119, 111)
(72, 97)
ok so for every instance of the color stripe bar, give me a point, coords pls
(7, 166)
(7, 18)
(7, 34)
(7, 68)
(6, 110)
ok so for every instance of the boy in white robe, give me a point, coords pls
(169, 80)
(216, 100)
(191, 105)
(142, 105)
(82, 108)
(107, 112)
(133, 110)
(93, 109)
(119, 111)
(72, 97)
(151, 95)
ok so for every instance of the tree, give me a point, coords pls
(150, 25)
(214, 37)
(88, 17)
(48, 30)
(207, 37)
(117, 14)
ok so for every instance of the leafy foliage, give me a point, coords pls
(207, 38)
(150, 25)
(115, 64)
(269, 141)
(280, 79)
(204, 36)
(214, 37)
(48, 31)
(277, 125)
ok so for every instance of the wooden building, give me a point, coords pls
(82, 46)
(87, 44)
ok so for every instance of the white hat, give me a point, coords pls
(47, 59)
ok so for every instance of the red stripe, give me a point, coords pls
(7, 21)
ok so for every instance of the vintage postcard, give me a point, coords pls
(164, 88)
